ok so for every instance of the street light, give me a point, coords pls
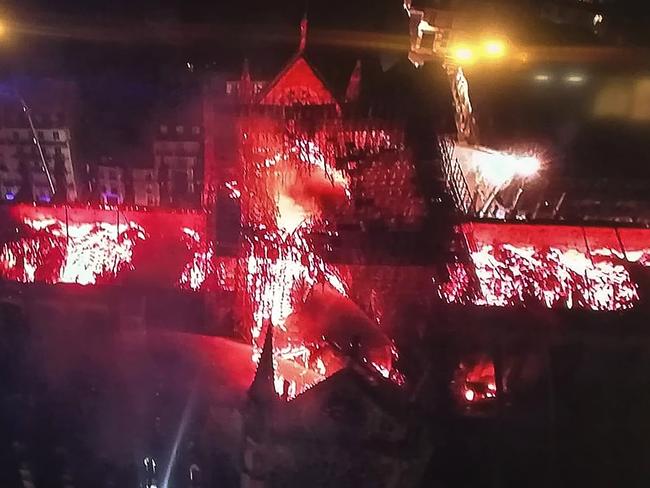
(494, 48)
(491, 49)
(463, 54)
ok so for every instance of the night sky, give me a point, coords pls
(123, 54)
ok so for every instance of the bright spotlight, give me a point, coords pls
(499, 168)
(574, 79)
(3, 29)
(462, 54)
(494, 48)
(527, 165)
(469, 395)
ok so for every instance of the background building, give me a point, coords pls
(110, 187)
(22, 176)
(178, 162)
(146, 187)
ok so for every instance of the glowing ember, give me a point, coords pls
(281, 269)
(475, 382)
(201, 266)
(81, 255)
(510, 275)
(275, 287)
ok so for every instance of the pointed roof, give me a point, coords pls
(297, 84)
(384, 393)
(263, 387)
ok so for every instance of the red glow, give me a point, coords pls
(202, 264)
(84, 252)
(101, 245)
(281, 269)
(293, 186)
(553, 265)
(297, 84)
(476, 381)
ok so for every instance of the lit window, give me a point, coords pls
(180, 129)
(163, 129)
(196, 130)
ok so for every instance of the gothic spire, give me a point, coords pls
(245, 71)
(263, 383)
(245, 84)
(304, 26)
(354, 85)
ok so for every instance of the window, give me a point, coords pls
(57, 151)
(163, 129)
(196, 130)
(180, 129)
(55, 134)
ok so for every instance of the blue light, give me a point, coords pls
(9, 196)
(44, 198)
